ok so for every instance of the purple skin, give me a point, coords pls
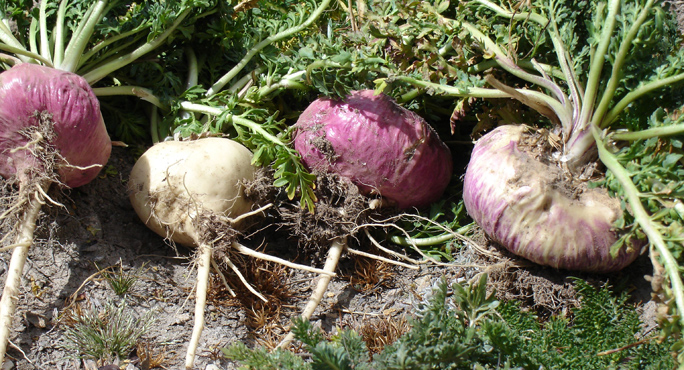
(517, 202)
(81, 136)
(378, 145)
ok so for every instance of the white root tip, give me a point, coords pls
(203, 267)
(334, 254)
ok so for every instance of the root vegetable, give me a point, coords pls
(175, 185)
(182, 190)
(51, 131)
(191, 192)
(29, 91)
(378, 145)
(528, 207)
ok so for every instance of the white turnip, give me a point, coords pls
(192, 193)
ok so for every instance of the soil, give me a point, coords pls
(98, 228)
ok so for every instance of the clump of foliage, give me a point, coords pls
(465, 327)
(106, 333)
(121, 281)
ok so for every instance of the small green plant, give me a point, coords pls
(467, 328)
(105, 333)
(122, 281)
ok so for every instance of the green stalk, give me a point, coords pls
(616, 73)
(25, 53)
(102, 71)
(244, 80)
(10, 60)
(649, 133)
(59, 33)
(405, 241)
(487, 64)
(44, 40)
(154, 125)
(535, 97)
(88, 55)
(217, 111)
(641, 216)
(537, 18)
(33, 42)
(193, 69)
(110, 56)
(636, 94)
(267, 41)
(10, 41)
(509, 65)
(79, 39)
(596, 67)
(291, 81)
(141, 92)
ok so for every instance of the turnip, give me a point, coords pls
(379, 146)
(528, 188)
(191, 192)
(51, 127)
(51, 131)
(376, 144)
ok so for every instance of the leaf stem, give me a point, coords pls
(616, 73)
(80, 38)
(217, 111)
(44, 41)
(267, 41)
(596, 66)
(102, 71)
(21, 52)
(141, 92)
(647, 225)
(539, 19)
(636, 94)
(9, 40)
(677, 129)
(110, 40)
(489, 63)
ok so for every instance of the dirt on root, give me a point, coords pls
(98, 228)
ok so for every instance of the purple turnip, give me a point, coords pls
(518, 200)
(31, 93)
(528, 188)
(378, 145)
(51, 131)
(51, 127)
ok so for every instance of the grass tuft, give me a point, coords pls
(122, 281)
(104, 334)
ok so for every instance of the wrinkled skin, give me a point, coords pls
(525, 206)
(81, 137)
(378, 145)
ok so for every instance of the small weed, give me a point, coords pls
(382, 332)
(466, 328)
(104, 333)
(122, 281)
(370, 274)
(151, 357)
(270, 279)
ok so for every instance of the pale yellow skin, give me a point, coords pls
(174, 182)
